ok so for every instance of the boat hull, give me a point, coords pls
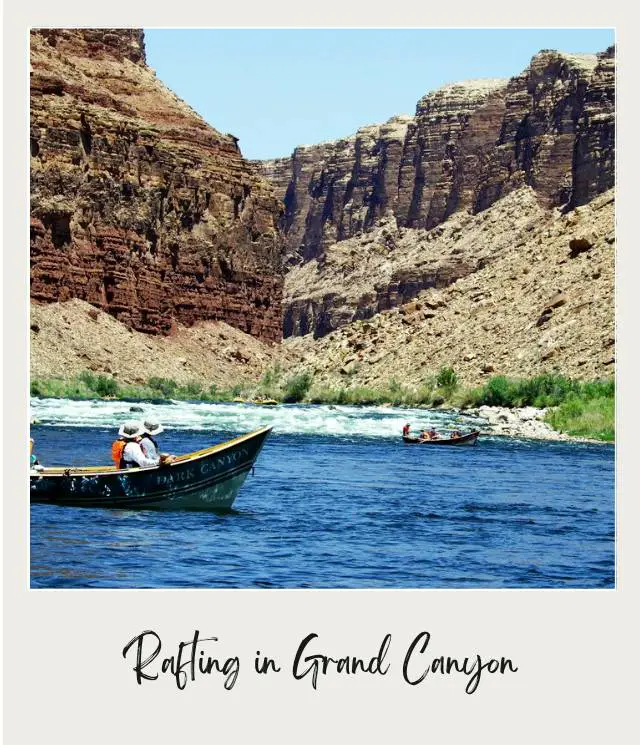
(469, 439)
(208, 480)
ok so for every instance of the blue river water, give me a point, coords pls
(336, 501)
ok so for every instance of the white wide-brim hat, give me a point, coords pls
(151, 427)
(131, 429)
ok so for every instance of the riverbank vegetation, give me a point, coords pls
(577, 408)
(89, 386)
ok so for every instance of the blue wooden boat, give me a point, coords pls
(206, 480)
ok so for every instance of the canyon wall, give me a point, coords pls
(469, 145)
(138, 206)
(537, 297)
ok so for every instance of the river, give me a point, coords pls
(336, 501)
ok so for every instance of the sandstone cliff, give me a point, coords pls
(138, 206)
(468, 145)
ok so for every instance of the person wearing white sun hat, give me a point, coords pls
(126, 451)
(152, 428)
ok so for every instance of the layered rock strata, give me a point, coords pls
(468, 145)
(138, 206)
(336, 189)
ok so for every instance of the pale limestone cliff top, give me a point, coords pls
(398, 123)
(467, 89)
(475, 84)
(585, 62)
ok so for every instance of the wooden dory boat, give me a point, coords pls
(469, 439)
(208, 480)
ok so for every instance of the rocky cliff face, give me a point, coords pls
(334, 190)
(557, 132)
(537, 297)
(468, 145)
(138, 206)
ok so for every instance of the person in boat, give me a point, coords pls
(152, 428)
(455, 434)
(126, 450)
(405, 430)
(34, 463)
(433, 435)
(424, 435)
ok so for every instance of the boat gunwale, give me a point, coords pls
(66, 472)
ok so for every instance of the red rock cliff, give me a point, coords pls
(137, 205)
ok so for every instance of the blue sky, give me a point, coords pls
(275, 89)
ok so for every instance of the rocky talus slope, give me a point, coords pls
(537, 295)
(468, 145)
(71, 337)
(138, 206)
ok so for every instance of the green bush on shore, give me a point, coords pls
(166, 386)
(296, 388)
(102, 385)
(540, 391)
(585, 417)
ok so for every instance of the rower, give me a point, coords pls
(405, 430)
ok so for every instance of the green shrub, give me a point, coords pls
(541, 391)
(326, 395)
(363, 396)
(220, 394)
(296, 388)
(271, 377)
(165, 386)
(271, 383)
(446, 378)
(423, 396)
(598, 389)
(88, 378)
(591, 417)
(544, 390)
(192, 390)
(496, 392)
(105, 386)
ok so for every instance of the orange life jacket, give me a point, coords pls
(116, 452)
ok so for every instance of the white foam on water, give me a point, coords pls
(338, 421)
